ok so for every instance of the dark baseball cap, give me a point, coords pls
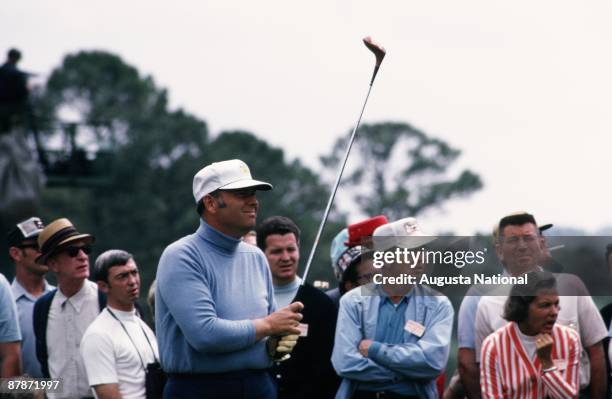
(25, 231)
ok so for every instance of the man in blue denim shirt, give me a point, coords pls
(392, 341)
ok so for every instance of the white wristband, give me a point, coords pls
(553, 368)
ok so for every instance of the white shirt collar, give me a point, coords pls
(78, 299)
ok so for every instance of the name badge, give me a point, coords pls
(561, 364)
(303, 330)
(415, 328)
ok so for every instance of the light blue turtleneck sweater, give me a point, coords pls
(210, 288)
(284, 294)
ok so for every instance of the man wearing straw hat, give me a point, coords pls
(62, 315)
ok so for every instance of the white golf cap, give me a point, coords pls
(226, 175)
(404, 233)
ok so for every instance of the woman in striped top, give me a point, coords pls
(531, 357)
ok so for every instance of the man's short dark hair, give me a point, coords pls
(276, 225)
(108, 259)
(516, 220)
(200, 206)
(516, 308)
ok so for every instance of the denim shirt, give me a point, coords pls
(411, 366)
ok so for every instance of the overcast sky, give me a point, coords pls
(523, 88)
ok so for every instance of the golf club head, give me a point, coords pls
(378, 50)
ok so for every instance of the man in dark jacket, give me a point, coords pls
(308, 373)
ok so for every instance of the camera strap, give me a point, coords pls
(132, 341)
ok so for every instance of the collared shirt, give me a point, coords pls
(390, 330)
(25, 306)
(9, 324)
(414, 362)
(68, 320)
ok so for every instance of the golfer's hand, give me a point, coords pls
(284, 321)
(544, 344)
(364, 345)
(279, 348)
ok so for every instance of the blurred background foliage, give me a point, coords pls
(120, 164)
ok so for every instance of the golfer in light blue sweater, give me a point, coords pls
(214, 298)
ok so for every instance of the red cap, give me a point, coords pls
(365, 228)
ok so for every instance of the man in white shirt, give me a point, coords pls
(519, 249)
(118, 345)
(62, 316)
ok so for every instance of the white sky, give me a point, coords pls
(523, 88)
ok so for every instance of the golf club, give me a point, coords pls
(379, 52)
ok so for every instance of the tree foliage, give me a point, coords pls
(399, 171)
(149, 156)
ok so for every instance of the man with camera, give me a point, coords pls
(118, 347)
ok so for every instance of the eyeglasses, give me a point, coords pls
(514, 240)
(74, 251)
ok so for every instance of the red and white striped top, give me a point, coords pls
(507, 372)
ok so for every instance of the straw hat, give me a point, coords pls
(56, 236)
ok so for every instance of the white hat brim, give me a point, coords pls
(249, 183)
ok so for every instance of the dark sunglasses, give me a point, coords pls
(74, 251)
